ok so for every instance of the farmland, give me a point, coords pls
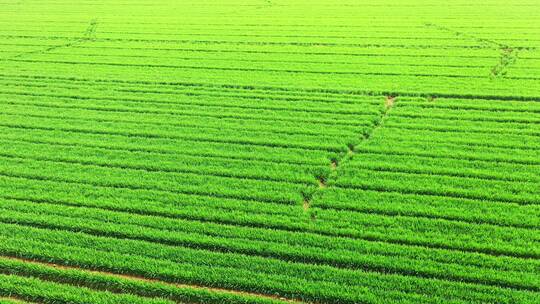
(269, 151)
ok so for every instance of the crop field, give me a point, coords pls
(269, 151)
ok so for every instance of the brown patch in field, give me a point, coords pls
(508, 57)
(333, 164)
(306, 205)
(389, 102)
(350, 151)
(147, 280)
(322, 182)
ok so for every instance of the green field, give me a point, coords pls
(269, 151)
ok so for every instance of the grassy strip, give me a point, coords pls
(381, 287)
(440, 207)
(472, 104)
(48, 110)
(244, 214)
(503, 116)
(189, 112)
(155, 98)
(235, 241)
(32, 289)
(432, 184)
(187, 183)
(422, 148)
(170, 148)
(447, 166)
(265, 139)
(166, 162)
(480, 127)
(119, 284)
(486, 140)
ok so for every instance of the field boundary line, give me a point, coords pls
(376, 269)
(322, 180)
(508, 55)
(149, 169)
(88, 35)
(366, 93)
(149, 280)
(124, 149)
(405, 243)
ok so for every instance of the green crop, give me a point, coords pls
(270, 151)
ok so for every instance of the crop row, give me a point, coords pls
(124, 176)
(410, 229)
(192, 117)
(265, 139)
(375, 82)
(336, 84)
(269, 66)
(379, 55)
(505, 115)
(442, 125)
(318, 283)
(260, 41)
(449, 167)
(162, 97)
(32, 289)
(172, 182)
(395, 163)
(244, 213)
(283, 98)
(256, 32)
(239, 240)
(166, 147)
(237, 231)
(189, 88)
(487, 105)
(294, 173)
(119, 284)
(244, 56)
(256, 91)
(193, 126)
(482, 172)
(345, 201)
(447, 150)
(442, 185)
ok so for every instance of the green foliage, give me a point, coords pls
(269, 151)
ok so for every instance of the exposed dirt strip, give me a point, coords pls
(147, 280)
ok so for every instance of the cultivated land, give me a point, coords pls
(269, 151)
